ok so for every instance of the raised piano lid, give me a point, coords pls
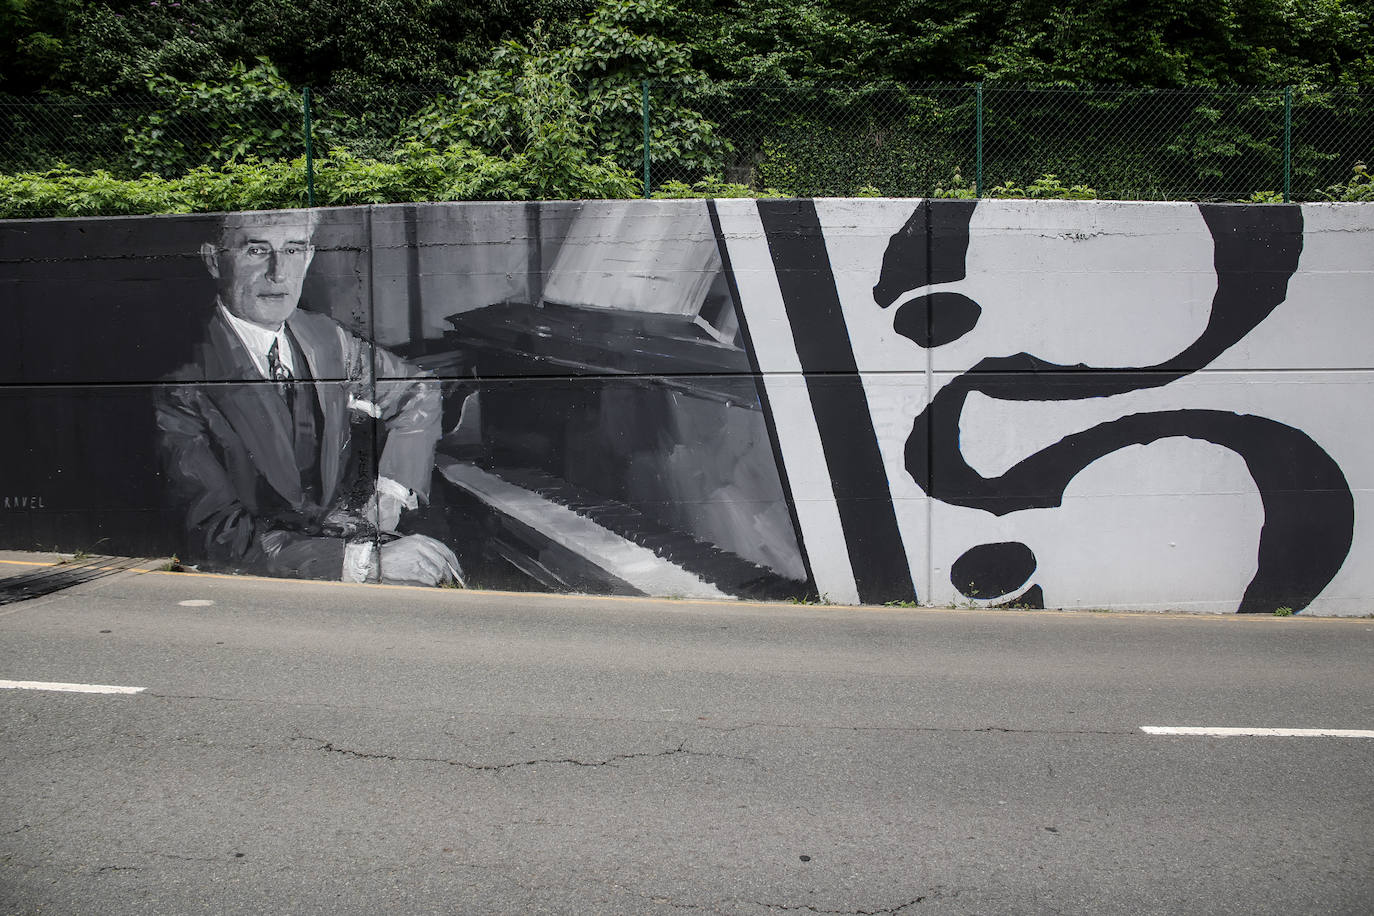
(597, 340)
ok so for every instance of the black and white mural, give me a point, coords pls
(1062, 404)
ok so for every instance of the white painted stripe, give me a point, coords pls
(799, 439)
(1219, 732)
(68, 688)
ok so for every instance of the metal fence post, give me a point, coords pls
(309, 151)
(645, 106)
(978, 175)
(1287, 144)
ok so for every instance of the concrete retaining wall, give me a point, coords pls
(1063, 404)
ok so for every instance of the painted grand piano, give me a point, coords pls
(610, 437)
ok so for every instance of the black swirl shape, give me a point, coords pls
(1309, 515)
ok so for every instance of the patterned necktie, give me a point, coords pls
(280, 374)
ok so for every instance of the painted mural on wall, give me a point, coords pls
(994, 403)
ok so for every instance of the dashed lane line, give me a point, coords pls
(1226, 732)
(68, 688)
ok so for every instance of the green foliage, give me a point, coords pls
(1142, 42)
(106, 49)
(249, 112)
(366, 46)
(710, 187)
(958, 189)
(65, 192)
(586, 88)
(106, 46)
(416, 173)
(1046, 187)
(1360, 187)
(780, 43)
(32, 41)
(1132, 42)
(894, 142)
(554, 87)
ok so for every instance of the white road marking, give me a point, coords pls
(1219, 732)
(196, 602)
(68, 688)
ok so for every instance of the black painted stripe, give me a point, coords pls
(848, 438)
(768, 419)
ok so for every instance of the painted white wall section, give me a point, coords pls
(1128, 399)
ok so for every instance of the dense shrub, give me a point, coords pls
(417, 173)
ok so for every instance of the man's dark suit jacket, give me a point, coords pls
(226, 444)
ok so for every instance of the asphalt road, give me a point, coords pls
(322, 748)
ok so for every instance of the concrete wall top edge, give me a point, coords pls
(391, 209)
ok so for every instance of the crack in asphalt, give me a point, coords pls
(53, 818)
(889, 911)
(176, 858)
(1124, 732)
(265, 701)
(680, 750)
(664, 901)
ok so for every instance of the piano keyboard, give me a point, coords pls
(618, 539)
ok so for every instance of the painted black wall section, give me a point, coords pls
(850, 443)
(95, 310)
(101, 301)
(1308, 507)
(97, 313)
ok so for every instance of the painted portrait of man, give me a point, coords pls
(256, 433)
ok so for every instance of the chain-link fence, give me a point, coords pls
(1135, 144)
(803, 140)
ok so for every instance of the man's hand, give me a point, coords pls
(419, 560)
(391, 499)
(389, 508)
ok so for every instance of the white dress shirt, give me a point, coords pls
(258, 340)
